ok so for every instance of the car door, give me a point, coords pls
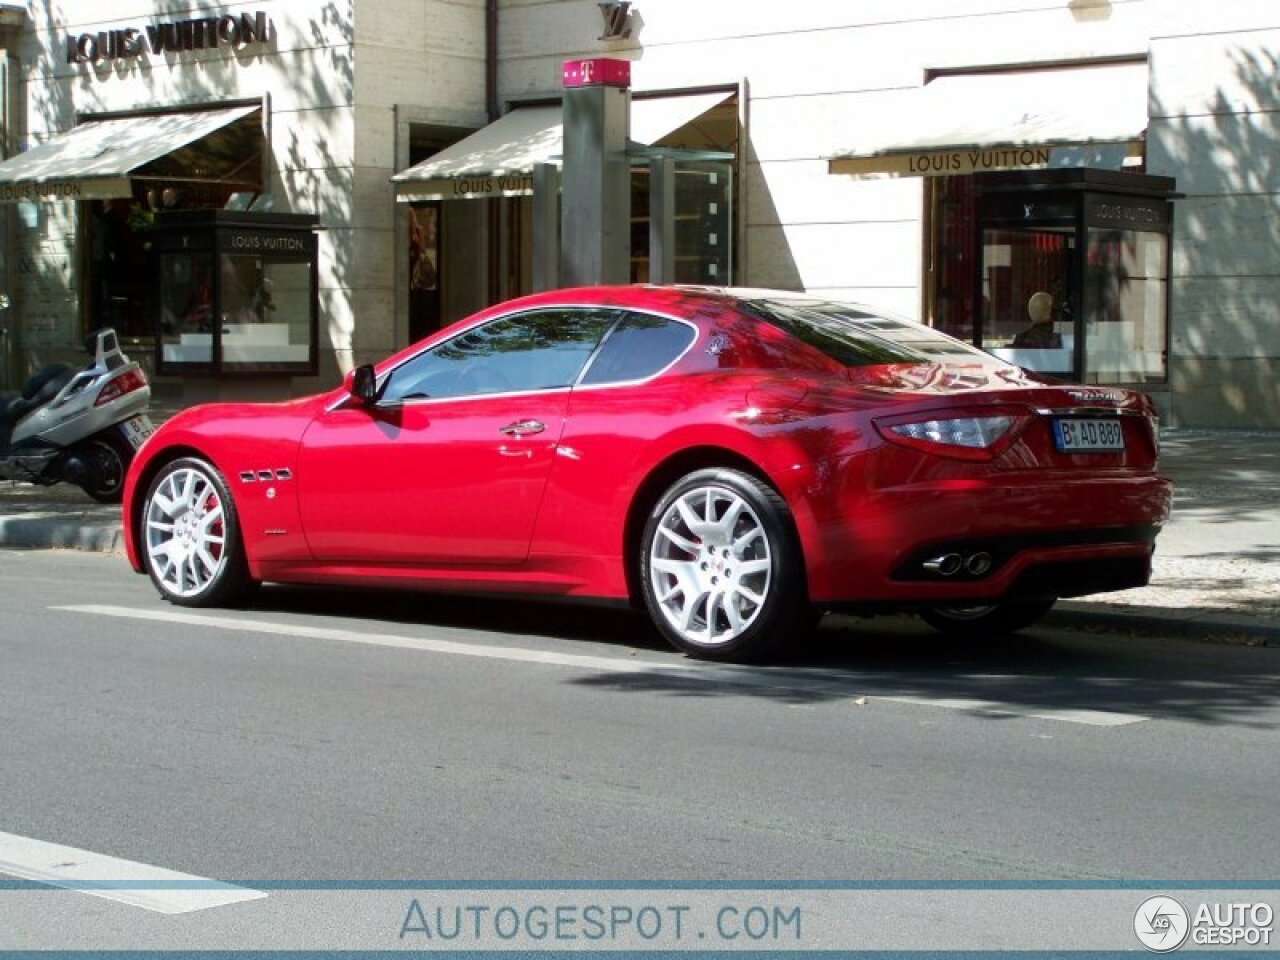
(450, 464)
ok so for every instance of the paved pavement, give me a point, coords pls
(1217, 566)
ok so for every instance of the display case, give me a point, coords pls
(237, 292)
(1092, 248)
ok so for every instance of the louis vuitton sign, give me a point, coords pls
(174, 36)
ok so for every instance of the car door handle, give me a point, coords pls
(522, 428)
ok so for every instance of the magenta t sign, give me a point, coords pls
(597, 72)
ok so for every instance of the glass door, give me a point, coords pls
(702, 226)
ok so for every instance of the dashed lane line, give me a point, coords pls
(111, 878)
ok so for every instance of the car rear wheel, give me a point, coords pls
(722, 571)
(191, 536)
(996, 619)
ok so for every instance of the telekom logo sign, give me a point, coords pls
(597, 72)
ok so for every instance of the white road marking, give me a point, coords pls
(1092, 718)
(428, 644)
(710, 674)
(125, 881)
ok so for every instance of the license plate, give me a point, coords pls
(1088, 436)
(137, 429)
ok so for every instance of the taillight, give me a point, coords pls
(976, 435)
(127, 382)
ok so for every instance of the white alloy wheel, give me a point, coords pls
(186, 531)
(711, 565)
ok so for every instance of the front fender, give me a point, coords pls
(256, 456)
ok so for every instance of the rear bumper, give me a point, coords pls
(1071, 537)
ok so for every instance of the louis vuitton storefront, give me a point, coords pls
(1045, 243)
(86, 201)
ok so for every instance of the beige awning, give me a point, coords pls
(1006, 120)
(495, 161)
(498, 160)
(96, 159)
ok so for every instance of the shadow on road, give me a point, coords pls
(1042, 670)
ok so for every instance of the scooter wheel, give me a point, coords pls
(190, 535)
(107, 459)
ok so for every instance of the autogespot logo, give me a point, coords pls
(1161, 924)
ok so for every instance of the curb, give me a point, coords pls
(48, 531)
(1204, 626)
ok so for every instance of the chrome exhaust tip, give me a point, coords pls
(978, 564)
(947, 565)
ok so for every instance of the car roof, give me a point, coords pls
(641, 295)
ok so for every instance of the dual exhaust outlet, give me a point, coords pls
(950, 564)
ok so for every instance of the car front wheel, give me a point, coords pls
(721, 569)
(191, 536)
(996, 619)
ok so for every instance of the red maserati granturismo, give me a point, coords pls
(735, 462)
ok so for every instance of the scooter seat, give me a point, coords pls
(42, 387)
(44, 384)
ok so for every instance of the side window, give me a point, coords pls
(541, 350)
(639, 347)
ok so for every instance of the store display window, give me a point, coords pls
(237, 293)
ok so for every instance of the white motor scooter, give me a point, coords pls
(81, 426)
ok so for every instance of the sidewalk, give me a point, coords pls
(1217, 565)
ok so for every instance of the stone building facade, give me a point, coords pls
(860, 141)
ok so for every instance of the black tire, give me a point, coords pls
(993, 620)
(107, 457)
(743, 616)
(189, 536)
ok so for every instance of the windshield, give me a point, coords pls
(857, 336)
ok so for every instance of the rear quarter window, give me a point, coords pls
(639, 347)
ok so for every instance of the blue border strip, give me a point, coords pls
(569, 886)
(611, 954)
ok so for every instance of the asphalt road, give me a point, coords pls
(356, 736)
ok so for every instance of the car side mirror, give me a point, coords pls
(363, 385)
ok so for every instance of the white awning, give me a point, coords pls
(95, 159)
(1024, 119)
(495, 161)
(498, 160)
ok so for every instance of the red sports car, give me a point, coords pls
(734, 461)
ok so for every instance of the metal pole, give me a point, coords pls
(546, 227)
(595, 237)
(662, 220)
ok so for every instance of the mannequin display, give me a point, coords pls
(1040, 333)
